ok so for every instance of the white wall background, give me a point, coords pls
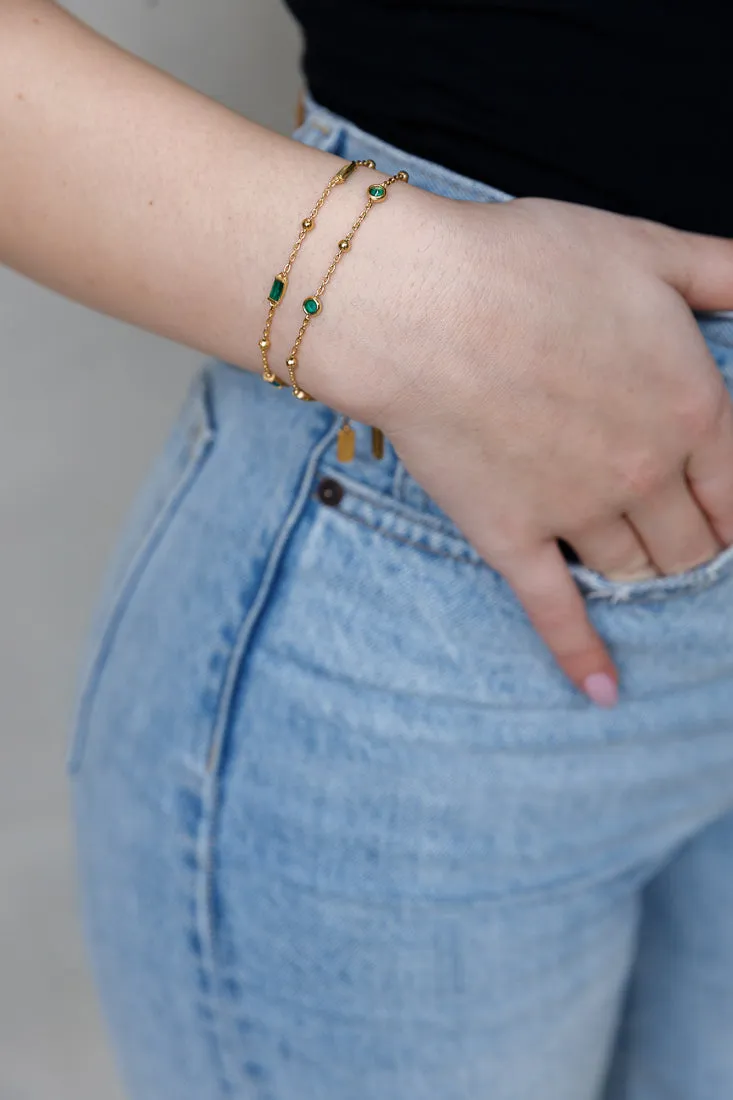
(84, 403)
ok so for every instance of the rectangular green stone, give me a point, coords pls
(278, 289)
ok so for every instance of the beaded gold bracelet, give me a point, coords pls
(312, 305)
(280, 282)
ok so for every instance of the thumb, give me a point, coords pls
(698, 266)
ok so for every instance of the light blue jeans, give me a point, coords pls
(345, 832)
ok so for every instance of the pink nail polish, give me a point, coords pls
(601, 689)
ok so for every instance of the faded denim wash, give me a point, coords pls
(345, 832)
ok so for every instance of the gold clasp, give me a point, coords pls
(343, 173)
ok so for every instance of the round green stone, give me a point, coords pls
(311, 306)
(377, 192)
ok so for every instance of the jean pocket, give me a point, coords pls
(592, 584)
(595, 586)
(170, 480)
(718, 331)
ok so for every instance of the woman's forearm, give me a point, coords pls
(534, 364)
(130, 192)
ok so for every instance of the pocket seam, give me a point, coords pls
(424, 531)
(406, 541)
(396, 520)
(597, 587)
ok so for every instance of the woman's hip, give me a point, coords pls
(323, 767)
(249, 531)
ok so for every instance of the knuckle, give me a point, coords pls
(554, 617)
(641, 473)
(586, 651)
(659, 242)
(698, 412)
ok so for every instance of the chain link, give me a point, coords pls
(306, 226)
(292, 360)
(335, 181)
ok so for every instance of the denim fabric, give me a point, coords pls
(345, 832)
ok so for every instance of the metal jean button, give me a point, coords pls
(330, 492)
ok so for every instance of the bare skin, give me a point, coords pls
(563, 391)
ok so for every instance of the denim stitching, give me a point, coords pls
(382, 502)
(705, 576)
(200, 446)
(193, 848)
(594, 587)
(405, 541)
(398, 479)
(239, 648)
(257, 605)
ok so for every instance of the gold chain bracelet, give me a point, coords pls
(280, 282)
(312, 306)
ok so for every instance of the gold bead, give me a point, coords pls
(403, 176)
(292, 361)
(370, 164)
(344, 245)
(301, 394)
(308, 223)
(264, 343)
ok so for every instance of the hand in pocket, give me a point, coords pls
(544, 378)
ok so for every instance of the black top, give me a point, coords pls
(622, 104)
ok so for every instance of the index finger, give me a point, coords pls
(543, 584)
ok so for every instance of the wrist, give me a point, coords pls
(355, 356)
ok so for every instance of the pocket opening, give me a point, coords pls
(597, 587)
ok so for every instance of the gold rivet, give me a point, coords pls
(264, 343)
(292, 361)
(308, 223)
(403, 176)
(344, 245)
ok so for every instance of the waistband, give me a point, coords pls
(320, 127)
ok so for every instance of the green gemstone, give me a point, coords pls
(378, 191)
(278, 289)
(276, 383)
(311, 306)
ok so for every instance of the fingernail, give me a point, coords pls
(601, 689)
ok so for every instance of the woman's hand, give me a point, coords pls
(535, 364)
(538, 369)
